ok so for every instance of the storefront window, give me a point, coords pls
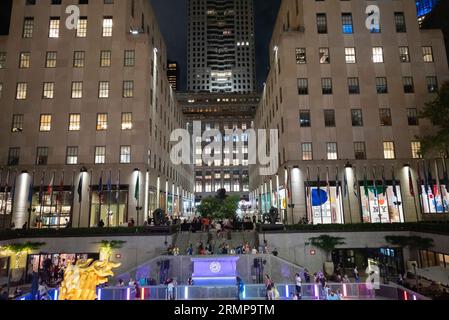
(435, 200)
(324, 206)
(51, 210)
(111, 207)
(378, 207)
(5, 205)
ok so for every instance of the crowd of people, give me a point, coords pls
(223, 249)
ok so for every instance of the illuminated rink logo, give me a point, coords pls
(215, 267)
(372, 22)
(220, 149)
(71, 22)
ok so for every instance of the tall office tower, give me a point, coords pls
(424, 7)
(86, 117)
(346, 100)
(221, 112)
(221, 46)
(173, 74)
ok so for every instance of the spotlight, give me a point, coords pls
(348, 165)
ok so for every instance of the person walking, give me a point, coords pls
(298, 284)
(356, 274)
(240, 288)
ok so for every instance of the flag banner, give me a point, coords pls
(324, 207)
(433, 201)
(395, 190)
(365, 184)
(356, 183)
(50, 185)
(377, 208)
(410, 183)
(41, 189)
(137, 187)
(337, 183)
(384, 182)
(80, 188)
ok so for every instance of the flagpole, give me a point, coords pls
(368, 199)
(385, 190)
(439, 186)
(52, 182)
(89, 209)
(329, 193)
(118, 198)
(72, 200)
(419, 184)
(60, 196)
(358, 194)
(6, 200)
(309, 196)
(414, 193)
(109, 197)
(30, 199)
(100, 197)
(319, 195)
(345, 181)
(426, 184)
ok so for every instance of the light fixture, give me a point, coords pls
(407, 165)
(155, 50)
(24, 171)
(348, 165)
(83, 169)
(276, 48)
(295, 167)
(134, 31)
(136, 170)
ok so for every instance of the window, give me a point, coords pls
(432, 84)
(321, 22)
(17, 123)
(107, 27)
(353, 86)
(385, 117)
(2, 60)
(105, 59)
(45, 123)
(1, 89)
(381, 85)
(412, 116)
(378, 55)
(100, 155)
(326, 85)
(389, 152)
(357, 117)
(78, 59)
(103, 89)
(72, 155)
(346, 21)
(24, 60)
(48, 90)
(81, 29)
(332, 153)
(307, 153)
(125, 154)
(21, 91)
(54, 28)
(130, 58)
(324, 56)
(28, 27)
(77, 90)
(303, 86)
(41, 156)
(408, 84)
(416, 150)
(427, 54)
(360, 150)
(127, 121)
(404, 54)
(329, 118)
(399, 20)
(74, 122)
(50, 60)
(350, 55)
(304, 119)
(13, 156)
(102, 121)
(128, 89)
(301, 57)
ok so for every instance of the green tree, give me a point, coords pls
(326, 243)
(219, 207)
(437, 111)
(19, 249)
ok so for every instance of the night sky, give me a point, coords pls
(172, 18)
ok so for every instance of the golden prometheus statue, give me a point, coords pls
(81, 280)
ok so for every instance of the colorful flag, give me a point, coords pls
(384, 183)
(374, 183)
(446, 179)
(410, 183)
(337, 182)
(365, 184)
(60, 189)
(50, 186)
(80, 189)
(328, 186)
(395, 190)
(429, 178)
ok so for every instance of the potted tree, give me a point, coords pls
(107, 247)
(327, 244)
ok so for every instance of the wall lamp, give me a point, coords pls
(83, 169)
(407, 165)
(348, 165)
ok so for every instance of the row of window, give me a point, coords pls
(351, 56)
(48, 90)
(348, 25)
(354, 85)
(45, 122)
(71, 155)
(54, 27)
(385, 117)
(359, 150)
(79, 59)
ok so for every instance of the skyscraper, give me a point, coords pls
(424, 7)
(173, 74)
(221, 46)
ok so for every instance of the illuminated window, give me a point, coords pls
(128, 89)
(21, 91)
(81, 28)
(45, 123)
(2, 60)
(54, 28)
(78, 59)
(332, 153)
(125, 154)
(74, 122)
(360, 150)
(404, 54)
(130, 58)
(17, 123)
(416, 150)
(107, 27)
(389, 152)
(103, 89)
(127, 121)
(48, 90)
(105, 59)
(350, 55)
(28, 27)
(427, 54)
(324, 56)
(24, 60)
(102, 121)
(378, 55)
(100, 155)
(50, 61)
(307, 153)
(77, 90)
(301, 57)
(72, 155)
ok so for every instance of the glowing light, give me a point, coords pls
(99, 294)
(286, 291)
(414, 297)
(55, 295)
(128, 294)
(186, 293)
(244, 292)
(142, 294)
(405, 295)
(317, 293)
(345, 291)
